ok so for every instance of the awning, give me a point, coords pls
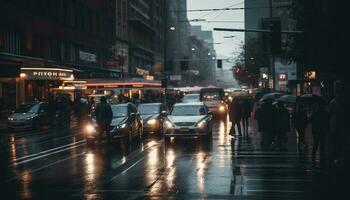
(94, 72)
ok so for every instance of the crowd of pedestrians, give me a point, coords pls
(325, 120)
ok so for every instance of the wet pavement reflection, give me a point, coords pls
(59, 165)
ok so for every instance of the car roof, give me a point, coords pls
(150, 104)
(192, 95)
(190, 104)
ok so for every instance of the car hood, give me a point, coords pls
(22, 115)
(176, 119)
(148, 117)
(118, 120)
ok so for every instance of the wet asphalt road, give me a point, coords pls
(49, 164)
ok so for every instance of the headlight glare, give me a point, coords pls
(151, 121)
(90, 129)
(222, 108)
(122, 126)
(168, 124)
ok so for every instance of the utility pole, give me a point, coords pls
(272, 55)
(165, 18)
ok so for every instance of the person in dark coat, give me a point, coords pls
(235, 116)
(282, 125)
(246, 110)
(300, 124)
(104, 116)
(52, 110)
(265, 115)
(320, 125)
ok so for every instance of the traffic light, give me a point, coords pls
(219, 64)
(164, 83)
(275, 28)
(264, 77)
(238, 70)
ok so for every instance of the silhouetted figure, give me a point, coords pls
(282, 125)
(246, 110)
(104, 116)
(320, 124)
(300, 124)
(265, 116)
(337, 137)
(235, 117)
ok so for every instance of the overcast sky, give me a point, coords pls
(228, 47)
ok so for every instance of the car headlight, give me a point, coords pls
(222, 108)
(10, 118)
(122, 126)
(29, 118)
(201, 124)
(168, 124)
(151, 121)
(90, 129)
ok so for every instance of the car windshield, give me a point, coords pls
(148, 109)
(27, 108)
(120, 111)
(188, 110)
(191, 98)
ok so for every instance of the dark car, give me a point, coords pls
(126, 123)
(30, 115)
(153, 115)
(188, 120)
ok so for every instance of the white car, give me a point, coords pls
(188, 120)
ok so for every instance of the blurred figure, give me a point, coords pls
(104, 115)
(320, 124)
(235, 116)
(300, 124)
(282, 125)
(246, 110)
(265, 116)
(82, 110)
(52, 110)
(337, 115)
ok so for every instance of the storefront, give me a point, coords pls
(36, 84)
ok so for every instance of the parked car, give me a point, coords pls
(30, 115)
(188, 120)
(190, 98)
(126, 124)
(153, 115)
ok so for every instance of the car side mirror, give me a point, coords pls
(132, 114)
(164, 112)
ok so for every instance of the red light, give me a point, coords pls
(238, 70)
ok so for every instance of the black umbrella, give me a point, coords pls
(287, 98)
(308, 99)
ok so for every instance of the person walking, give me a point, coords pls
(52, 111)
(282, 126)
(246, 110)
(235, 116)
(300, 124)
(265, 115)
(320, 125)
(104, 115)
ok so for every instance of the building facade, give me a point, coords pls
(44, 42)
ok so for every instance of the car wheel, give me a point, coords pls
(36, 124)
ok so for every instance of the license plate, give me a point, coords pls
(184, 130)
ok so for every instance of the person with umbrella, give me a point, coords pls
(300, 124)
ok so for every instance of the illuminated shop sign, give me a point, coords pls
(47, 74)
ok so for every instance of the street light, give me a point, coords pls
(209, 54)
(193, 49)
(172, 28)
